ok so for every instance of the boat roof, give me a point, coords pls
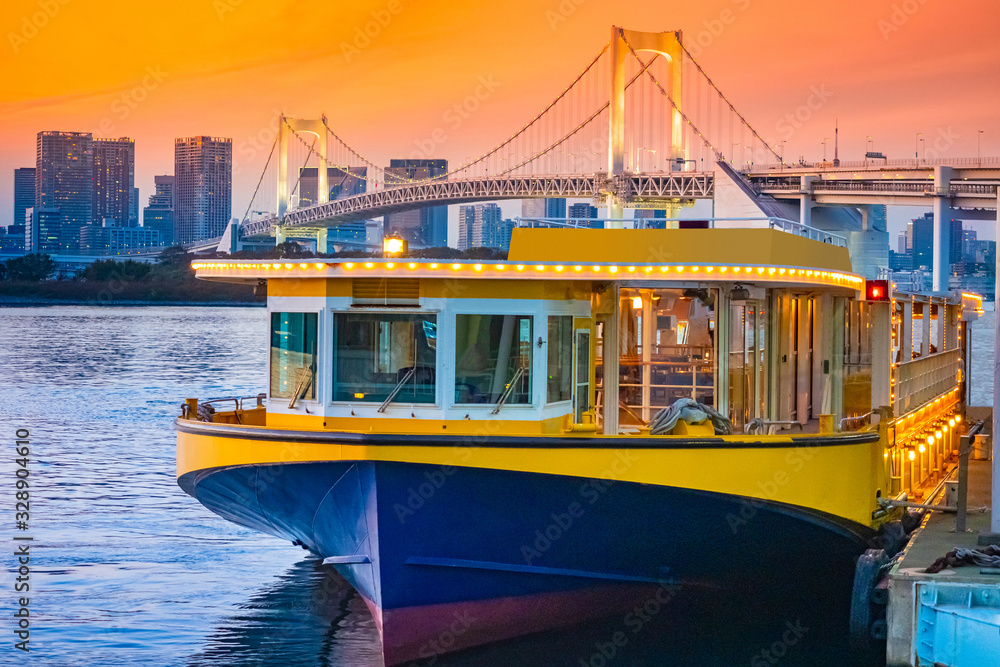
(724, 255)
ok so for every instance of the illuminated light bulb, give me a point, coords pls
(477, 267)
(597, 269)
(288, 266)
(303, 266)
(578, 268)
(520, 267)
(559, 269)
(736, 269)
(723, 269)
(958, 419)
(781, 272)
(694, 269)
(389, 265)
(930, 440)
(760, 270)
(937, 434)
(456, 266)
(709, 269)
(637, 302)
(951, 422)
(539, 267)
(412, 265)
(319, 266)
(922, 449)
(680, 269)
(885, 454)
(434, 265)
(664, 269)
(913, 455)
(613, 269)
(631, 269)
(649, 269)
(772, 271)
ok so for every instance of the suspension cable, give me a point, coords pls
(260, 180)
(724, 98)
(652, 78)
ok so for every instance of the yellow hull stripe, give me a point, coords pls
(837, 479)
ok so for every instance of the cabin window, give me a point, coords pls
(559, 372)
(377, 354)
(293, 355)
(493, 359)
(667, 350)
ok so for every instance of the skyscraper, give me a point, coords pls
(64, 181)
(550, 207)
(24, 192)
(114, 180)
(427, 226)
(342, 183)
(159, 214)
(923, 241)
(203, 187)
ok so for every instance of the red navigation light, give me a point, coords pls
(877, 290)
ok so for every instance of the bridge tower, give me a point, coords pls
(667, 44)
(317, 127)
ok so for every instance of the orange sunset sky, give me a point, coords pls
(225, 67)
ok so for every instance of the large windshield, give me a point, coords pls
(375, 352)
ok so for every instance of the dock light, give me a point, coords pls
(913, 455)
(937, 434)
(930, 441)
(877, 290)
(958, 419)
(637, 302)
(921, 449)
(393, 245)
(951, 422)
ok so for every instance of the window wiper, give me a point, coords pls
(395, 390)
(518, 374)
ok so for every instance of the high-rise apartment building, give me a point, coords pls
(203, 187)
(427, 226)
(114, 180)
(483, 226)
(44, 232)
(159, 214)
(24, 193)
(64, 181)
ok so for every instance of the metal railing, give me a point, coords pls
(871, 163)
(926, 378)
(813, 233)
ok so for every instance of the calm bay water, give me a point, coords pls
(126, 568)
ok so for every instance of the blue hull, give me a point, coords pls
(448, 558)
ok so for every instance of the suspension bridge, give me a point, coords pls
(641, 126)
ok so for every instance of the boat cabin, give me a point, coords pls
(593, 331)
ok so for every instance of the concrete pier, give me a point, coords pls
(951, 618)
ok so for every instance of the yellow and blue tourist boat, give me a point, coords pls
(490, 449)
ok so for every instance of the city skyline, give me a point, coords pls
(843, 52)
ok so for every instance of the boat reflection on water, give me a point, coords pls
(312, 617)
